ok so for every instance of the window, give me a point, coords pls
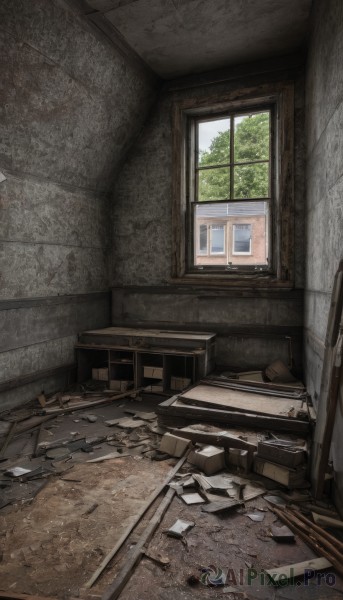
(211, 239)
(203, 239)
(233, 187)
(217, 239)
(241, 239)
(230, 170)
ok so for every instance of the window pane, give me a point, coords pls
(252, 137)
(241, 238)
(214, 184)
(237, 234)
(251, 181)
(217, 239)
(203, 239)
(214, 142)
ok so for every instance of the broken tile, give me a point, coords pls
(179, 528)
(209, 459)
(17, 471)
(282, 534)
(107, 457)
(257, 517)
(192, 498)
(220, 506)
(127, 423)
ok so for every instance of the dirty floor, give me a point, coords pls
(54, 537)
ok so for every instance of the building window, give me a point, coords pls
(233, 187)
(203, 239)
(241, 239)
(217, 239)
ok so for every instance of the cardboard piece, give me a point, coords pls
(173, 445)
(291, 478)
(283, 455)
(153, 372)
(209, 459)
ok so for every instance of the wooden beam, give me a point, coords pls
(225, 440)
(330, 385)
(89, 404)
(135, 521)
(195, 414)
(113, 592)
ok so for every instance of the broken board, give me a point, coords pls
(280, 574)
(173, 413)
(225, 398)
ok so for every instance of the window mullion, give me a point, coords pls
(232, 141)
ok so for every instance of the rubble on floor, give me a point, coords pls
(85, 497)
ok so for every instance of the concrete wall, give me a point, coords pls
(253, 327)
(72, 104)
(324, 213)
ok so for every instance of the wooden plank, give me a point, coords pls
(30, 423)
(156, 350)
(132, 525)
(296, 569)
(224, 439)
(282, 390)
(138, 551)
(81, 405)
(331, 375)
(222, 398)
(308, 532)
(154, 333)
(324, 521)
(315, 529)
(194, 414)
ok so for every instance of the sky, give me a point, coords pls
(209, 130)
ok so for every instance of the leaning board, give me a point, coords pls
(223, 398)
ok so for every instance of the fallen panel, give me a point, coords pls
(225, 398)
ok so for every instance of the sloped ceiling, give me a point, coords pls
(178, 37)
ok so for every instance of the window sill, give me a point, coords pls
(232, 281)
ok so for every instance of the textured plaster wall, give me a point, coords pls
(142, 251)
(71, 107)
(324, 175)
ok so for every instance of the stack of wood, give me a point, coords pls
(283, 461)
(322, 542)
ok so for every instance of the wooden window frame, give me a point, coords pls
(281, 97)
